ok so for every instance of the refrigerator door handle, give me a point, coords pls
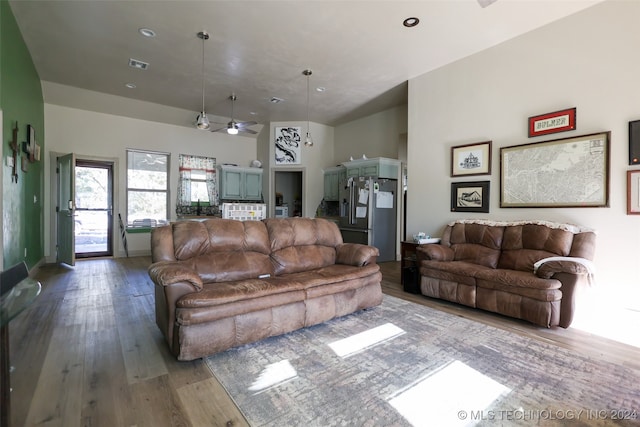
(352, 205)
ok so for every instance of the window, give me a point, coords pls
(147, 188)
(197, 185)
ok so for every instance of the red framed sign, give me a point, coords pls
(558, 121)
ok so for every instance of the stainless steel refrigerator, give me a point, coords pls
(368, 213)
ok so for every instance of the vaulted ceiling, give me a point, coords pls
(358, 51)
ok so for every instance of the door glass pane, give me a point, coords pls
(91, 231)
(92, 188)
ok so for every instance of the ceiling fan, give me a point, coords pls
(233, 127)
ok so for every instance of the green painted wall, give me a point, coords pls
(22, 103)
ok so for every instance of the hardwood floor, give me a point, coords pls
(88, 352)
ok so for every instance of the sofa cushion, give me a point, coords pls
(220, 300)
(476, 243)
(520, 283)
(234, 265)
(223, 249)
(452, 271)
(214, 294)
(335, 278)
(193, 238)
(302, 244)
(193, 316)
(544, 295)
(523, 245)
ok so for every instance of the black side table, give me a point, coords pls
(409, 275)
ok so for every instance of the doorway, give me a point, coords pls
(288, 193)
(93, 219)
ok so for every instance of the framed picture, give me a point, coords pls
(287, 145)
(634, 142)
(569, 172)
(558, 121)
(470, 196)
(633, 192)
(471, 159)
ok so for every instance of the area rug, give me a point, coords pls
(403, 364)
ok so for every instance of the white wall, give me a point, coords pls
(588, 61)
(92, 134)
(313, 160)
(376, 135)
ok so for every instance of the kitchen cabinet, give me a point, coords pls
(332, 178)
(238, 183)
(380, 167)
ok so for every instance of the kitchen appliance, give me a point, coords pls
(282, 211)
(368, 213)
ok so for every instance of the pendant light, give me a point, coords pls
(202, 121)
(308, 141)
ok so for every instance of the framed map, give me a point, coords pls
(569, 172)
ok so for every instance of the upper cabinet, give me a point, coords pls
(237, 183)
(379, 167)
(332, 178)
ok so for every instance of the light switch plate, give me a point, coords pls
(10, 161)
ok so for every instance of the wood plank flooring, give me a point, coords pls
(88, 352)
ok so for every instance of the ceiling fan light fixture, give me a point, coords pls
(232, 128)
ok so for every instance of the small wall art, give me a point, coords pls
(471, 159)
(558, 121)
(287, 145)
(470, 196)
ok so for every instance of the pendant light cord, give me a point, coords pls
(308, 140)
(308, 101)
(203, 39)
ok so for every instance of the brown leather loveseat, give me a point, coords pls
(529, 270)
(221, 283)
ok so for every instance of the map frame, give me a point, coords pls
(556, 175)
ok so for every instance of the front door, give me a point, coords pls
(65, 209)
(94, 217)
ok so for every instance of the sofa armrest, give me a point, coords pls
(548, 267)
(434, 252)
(356, 254)
(165, 273)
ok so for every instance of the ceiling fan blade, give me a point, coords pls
(251, 131)
(219, 129)
(246, 124)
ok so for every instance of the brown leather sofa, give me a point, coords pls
(529, 270)
(221, 283)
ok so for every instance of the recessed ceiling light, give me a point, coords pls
(130, 85)
(411, 22)
(253, 113)
(147, 32)
(321, 89)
